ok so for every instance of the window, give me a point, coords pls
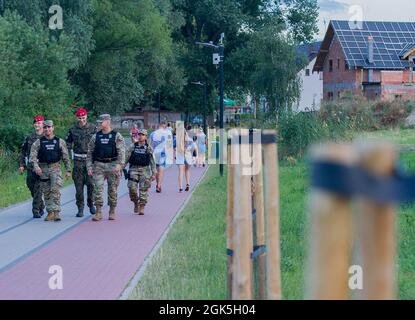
(338, 64)
(330, 95)
(338, 95)
(307, 72)
(346, 65)
(331, 65)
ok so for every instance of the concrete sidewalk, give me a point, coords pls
(97, 258)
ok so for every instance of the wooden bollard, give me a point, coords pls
(272, 202)
(376, 226)
(229, 218)
(212, 150)
(242, 240)
(258, 205)
(331, 233)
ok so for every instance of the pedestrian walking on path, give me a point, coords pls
(161, 141)
(32, 179)
(105, 160)
(201, 148)
(142, 169)
(185, 146)
(77, 141)
(45, 155)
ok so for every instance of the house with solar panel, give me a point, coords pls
(373, 59)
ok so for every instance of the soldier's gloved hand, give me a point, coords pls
(21, 170)
(38, 171)
(90, 172)
(68, 175)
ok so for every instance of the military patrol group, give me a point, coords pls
(99, 154)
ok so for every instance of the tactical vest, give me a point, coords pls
(140, 155)
(105, 147)
(49, 151)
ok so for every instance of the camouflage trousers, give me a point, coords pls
(81, 179)
(33, 183)
(102, 172)
(139, 177)
(50, 184)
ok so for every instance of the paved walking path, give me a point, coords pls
(97, 258)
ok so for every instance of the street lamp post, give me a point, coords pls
(204, 85)
(221, 48)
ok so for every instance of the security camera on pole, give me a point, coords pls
(218, 59)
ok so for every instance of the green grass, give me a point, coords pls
(398, 136)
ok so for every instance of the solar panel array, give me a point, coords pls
(391, 41)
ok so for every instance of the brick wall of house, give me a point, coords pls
(397, 84)
(340, 79)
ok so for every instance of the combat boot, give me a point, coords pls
(112, 213)
(141, 210)
(57, 216)
(98, 214)
(92, 210)
(50, 216)
(80, 213)
(136, 208)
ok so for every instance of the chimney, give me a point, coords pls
(370, 58)
(370, 54)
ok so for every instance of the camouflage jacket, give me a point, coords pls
(33, 159)
(25, 150)
(78, 139)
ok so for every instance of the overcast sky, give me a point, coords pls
(379, 10)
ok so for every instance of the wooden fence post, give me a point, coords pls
(230, 217)
(242, 271)
(272, 202)
(258, 205)
(376, 226)
(331, 233)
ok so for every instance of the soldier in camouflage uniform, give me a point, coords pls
(45, 155)
(142, 169)
(32, 179)
(77, 141)
(105, 160)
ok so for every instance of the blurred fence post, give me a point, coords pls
(329, 253)
(376, 226)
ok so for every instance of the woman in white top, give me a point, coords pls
(184, 157)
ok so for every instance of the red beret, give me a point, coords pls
(81, 112)
(38, 118)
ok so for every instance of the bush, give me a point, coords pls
(8, 161)
(297, 131)
(392, 113)
(11, 137)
